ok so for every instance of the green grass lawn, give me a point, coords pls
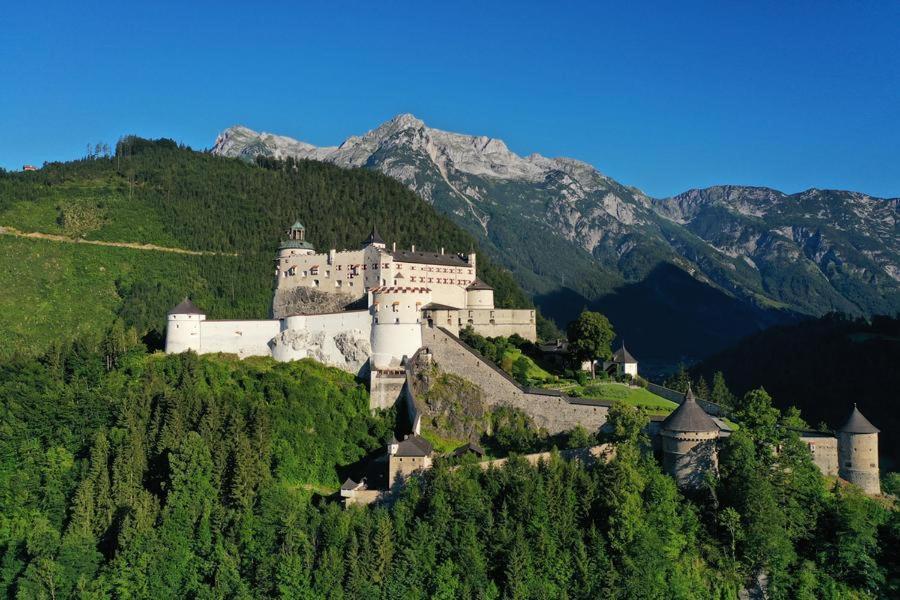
(636, 396)
(442, 445)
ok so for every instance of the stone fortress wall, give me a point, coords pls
(824, 449)
(553, 411)
(489, 322)
(244, 338)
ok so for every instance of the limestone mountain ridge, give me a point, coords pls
(575, 237)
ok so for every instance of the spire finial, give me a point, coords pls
(689, 396)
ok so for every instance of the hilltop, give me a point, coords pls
(681, 277)
(222, 216)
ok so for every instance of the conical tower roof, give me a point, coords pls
(373, 238)
(857, 423)
(689, 417)
(478, 284)
(622, 355)
(186, 307)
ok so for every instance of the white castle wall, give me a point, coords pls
(341, 340)
(244, 338)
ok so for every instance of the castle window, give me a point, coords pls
(315, 283)
(338, 283)
(397, 320)
(327, 273)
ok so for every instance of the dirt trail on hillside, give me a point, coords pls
(5, 230)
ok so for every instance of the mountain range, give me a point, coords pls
(680, 277)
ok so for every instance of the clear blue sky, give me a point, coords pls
(664, 96)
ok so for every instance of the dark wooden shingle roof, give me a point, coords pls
(430, 258)
(622, 355)
(414, 445)
(689, 417)
(186, 307)
(857, 423)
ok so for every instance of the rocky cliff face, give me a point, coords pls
(574, 237)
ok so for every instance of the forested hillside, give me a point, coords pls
(823, 367)
(158, 193)
(128, 475)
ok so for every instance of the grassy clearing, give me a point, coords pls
(635, 396)
(442, 445)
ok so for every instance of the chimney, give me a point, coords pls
(442, 249)
(413, 248)
(394, 247)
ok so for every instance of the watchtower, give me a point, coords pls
(296, 242)
(858, 452)
(689, 438)
(183, 328)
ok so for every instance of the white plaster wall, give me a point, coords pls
(340, 340)
(244, 338)
(183, 333)
(630, 369)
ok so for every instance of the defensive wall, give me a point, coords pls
(244, 338)
(551, 410)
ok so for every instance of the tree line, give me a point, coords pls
(126, 474)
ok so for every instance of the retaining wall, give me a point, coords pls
(553, 411)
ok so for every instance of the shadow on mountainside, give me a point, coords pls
(669, 317)
(823, 367)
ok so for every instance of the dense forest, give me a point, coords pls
(132, 475)
(156, 192)
(823, 367)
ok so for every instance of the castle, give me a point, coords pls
(316, 314)
(387, 314)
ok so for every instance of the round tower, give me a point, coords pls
(396, 323)
(295, 244)
(689, 438)
(858, 453)
(183, 328)
(479, 295)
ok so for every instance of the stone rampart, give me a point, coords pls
(553, 411)
(244, 338)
